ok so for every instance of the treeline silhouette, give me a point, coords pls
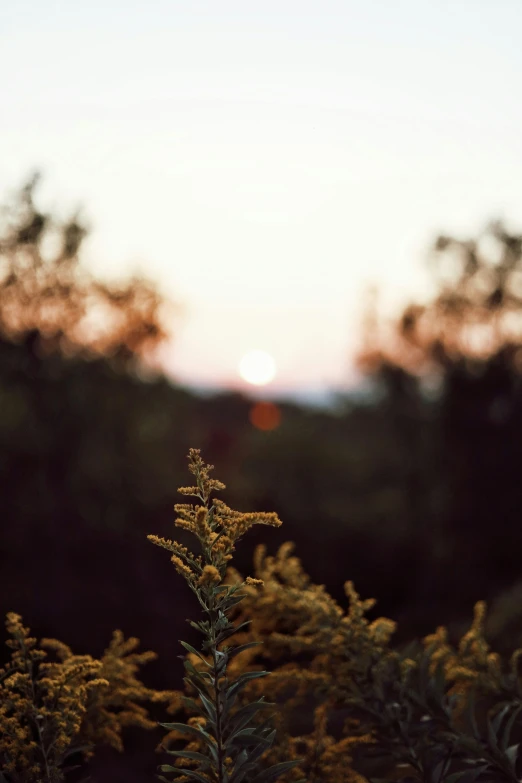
(414, 493)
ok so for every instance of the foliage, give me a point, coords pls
(429, 712)
(346, 704)
(55, 711)
(455, 358)
(228, 743)
(473, 316)
(45, 290)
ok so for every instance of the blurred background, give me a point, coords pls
(287, 234)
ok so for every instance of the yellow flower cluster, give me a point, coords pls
(49, 707)
(209, 576)
(120, 704)
(216, 526)
(471, 665)
(42, 704)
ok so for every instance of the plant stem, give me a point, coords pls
(219, 732)
(217, 692)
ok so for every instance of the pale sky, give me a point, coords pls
(265, 161)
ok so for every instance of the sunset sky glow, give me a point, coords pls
(265, 161)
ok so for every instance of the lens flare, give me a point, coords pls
(265, 416)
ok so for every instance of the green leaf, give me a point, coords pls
(202, 627)
(239, 774)
(242, 680)
(248, 737)
(205, 676)
(229, 601)
(221, 662)
(200, 687)
(242, 767)
(241, 648)
(499, 717)
(240, 718)
(509, 726)
(198, 732)
(232, 630)
(222, 623)
(273, 772)
(199, 680)
(183, 728)
(242, 758)
(249, 764)
(209, 707)
(227, 589)
(512, 755)
(191, 649)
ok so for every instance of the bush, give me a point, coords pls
(350, 706)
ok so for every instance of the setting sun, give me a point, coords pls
(257, 367)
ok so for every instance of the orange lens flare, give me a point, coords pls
(265, 416)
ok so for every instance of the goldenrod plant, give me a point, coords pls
(227, 742)
(55, 707)
(357, 709)
(342, 704)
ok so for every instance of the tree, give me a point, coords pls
(45, 290)
(465, 342)
(474, 316)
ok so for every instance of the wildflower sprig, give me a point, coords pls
(225, 743)
(56, 707)
(42, 705)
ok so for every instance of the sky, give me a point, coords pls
(265, 162)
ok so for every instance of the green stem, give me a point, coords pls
(217, 692)
(219, 732)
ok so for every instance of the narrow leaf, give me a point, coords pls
(192, 650)
(209, 707)
(241, 648)
(273, 772)
(509, 726)
(247, 737)
(512, 754)
(237, 721)
(231, 631)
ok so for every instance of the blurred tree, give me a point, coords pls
(45, 290)
(459, 355)
(474, 316)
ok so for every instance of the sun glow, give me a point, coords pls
(257, 367)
